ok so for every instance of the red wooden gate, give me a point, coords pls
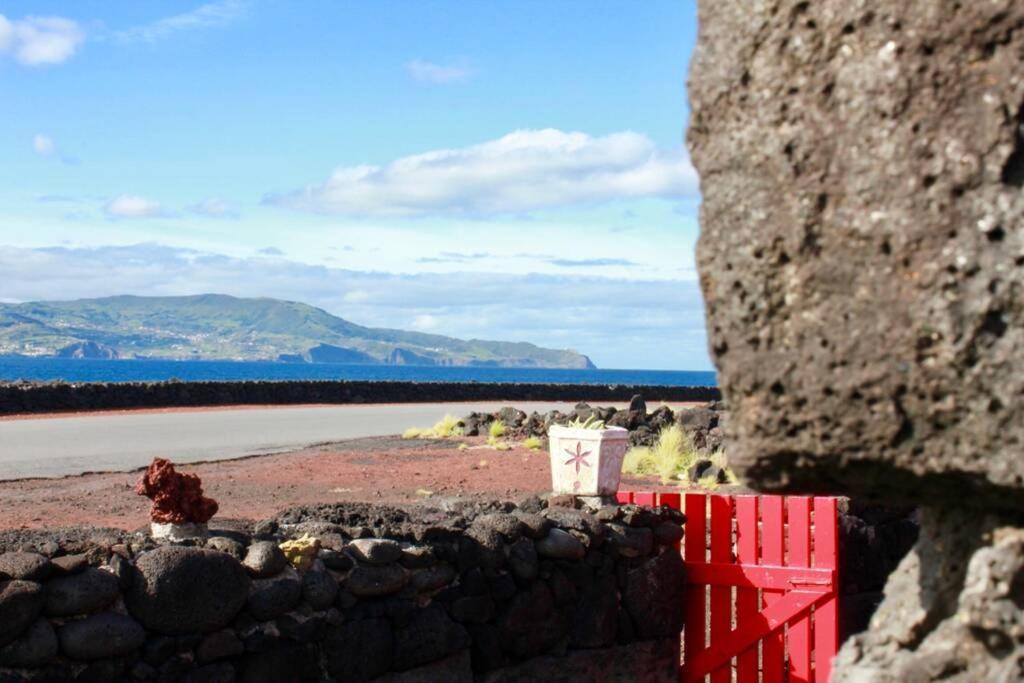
(763, 586)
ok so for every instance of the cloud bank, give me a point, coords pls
(39, 41)
(522, 171)
(597, 316)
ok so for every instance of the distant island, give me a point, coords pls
(221, 327)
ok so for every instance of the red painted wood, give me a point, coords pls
(826, 556)
(624, 497)
(694, 551)
(772, 553)
(672, 500)
(761, 576)
(770, 620)
(798, 581)
(644, 498)
(746, 598)
(721, 596)
(799, 516)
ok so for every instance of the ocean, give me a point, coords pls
(73, 370)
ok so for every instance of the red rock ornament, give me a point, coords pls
(177, 498)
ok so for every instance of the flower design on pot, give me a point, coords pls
(578, 458)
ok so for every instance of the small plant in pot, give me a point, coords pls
(586, 457)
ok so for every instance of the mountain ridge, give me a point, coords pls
(224, 327)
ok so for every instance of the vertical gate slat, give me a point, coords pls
(772, 553)
(694, 550)
(644, 498)
(799, 513)
(721, 596)
(826, 622)
(746, 598)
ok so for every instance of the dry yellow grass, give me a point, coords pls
(671, 456)
(446, 427)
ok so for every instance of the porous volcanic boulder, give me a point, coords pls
(180, 590)
(272, 597)
(81, 593)
(944, 614)
(26, 566)
(100, 636)
(21, 602)
(264, 558)
(862, 261)
(35, 648)
(654, 591)
(862, 233)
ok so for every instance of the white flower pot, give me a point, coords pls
(587, 462)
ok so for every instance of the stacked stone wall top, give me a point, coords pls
(45, 397)
(351, 593)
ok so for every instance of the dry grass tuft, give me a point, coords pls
(533, 443)
(670, 457)
(446, 427)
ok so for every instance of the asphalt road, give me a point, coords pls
(56, 446)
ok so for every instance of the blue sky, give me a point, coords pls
(509, 169)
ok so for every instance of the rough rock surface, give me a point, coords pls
(182, 590)
(862, 242)
(862, 261)
(944, 618)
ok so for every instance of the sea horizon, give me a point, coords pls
(44, 369)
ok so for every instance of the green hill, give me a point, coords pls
(220, 327)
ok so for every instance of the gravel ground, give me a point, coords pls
(379, 469)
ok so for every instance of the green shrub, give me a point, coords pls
(533, 443)
(497, 429)
(671, 456)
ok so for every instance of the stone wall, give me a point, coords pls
(861, 253)
(472, 592)
(39, 397)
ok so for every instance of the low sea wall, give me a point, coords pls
(489, 593)
(32, 397)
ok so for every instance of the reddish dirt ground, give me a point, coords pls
(385, 469)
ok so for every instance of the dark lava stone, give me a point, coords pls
(219, 645)
(21, 603)
(180, 590)
(319, 588)
(101, 636)
(264, 559)
(81, 593)
(24, 566)
(359, 651)
(269, 598)
(430, 635)
(34, 649)
(69, 564)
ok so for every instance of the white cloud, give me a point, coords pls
(36, 41)
(522, 171)
(550, 310)
(211, 15)
(131, 206)
(43, 145)
(424, 322)
(212, 207)
(438, 74)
